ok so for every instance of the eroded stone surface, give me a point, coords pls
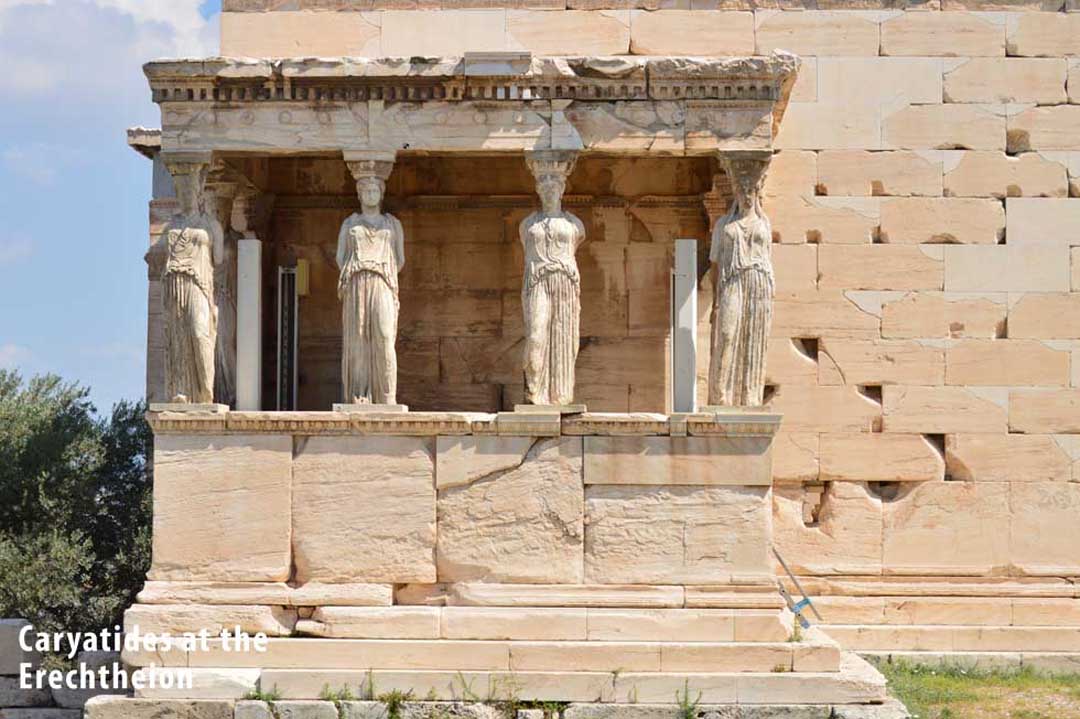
(364, 509)
(246, 479)
(843, 536)
(523, 524)
(655, 535)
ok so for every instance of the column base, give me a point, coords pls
(208, 408)
(560, 409)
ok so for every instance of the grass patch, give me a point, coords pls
(957, 692)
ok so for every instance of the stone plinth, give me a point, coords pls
(561, 552)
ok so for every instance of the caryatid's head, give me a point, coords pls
(747, 176)
(370, 189)
(189, 179)
(551, 187)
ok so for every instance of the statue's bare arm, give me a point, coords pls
(399, 242)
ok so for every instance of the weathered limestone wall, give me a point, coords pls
(461, 335)
(926, 204)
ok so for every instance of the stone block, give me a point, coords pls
(521, 524)
(177, 619)
(564, 595)
(514, 623)
(821, 313)
(856, 683)
(659, 691)
(446, 685)
(1006, 458)
(411, 33)
(119, 707)
(733, 657)
(825, 409)
(913, 220)
(877, 457)
(373, 623)
(569, 32)
(1000, 79)
(837, 125)
(364, 509)
(795, 457)
(39, 713)
(246, 479)
(1034, 411)
(995, 174)
(884, 82)
(305, 709)
(584, 656)
(795, 267)
(851, 610)
(791, 172)
(207, 684)
(845, 537)
(214, 593)
(944, 127)
(948, 611)
(307, 33)
(310, 654)
(1008, 268)
(675, 534)
(250, 709)
(460, 461)
(12, 697)
(820, 656)
(941, 410)
(678, 460)
(1074, 261)
(1039, 221)
(1006, 362)
(1044, 528)
(949, 34)
(1055, 127)
(661, 625)
(939, 315)
(346, 594)
(881, 267)
(1045, 315)
(827, 33)
(864, 173)
(1045, 612)
(787, 362)
(1044, 35)
(12, 655)
(686, 32)
(839, 220)
(948, 528)
(868, 362)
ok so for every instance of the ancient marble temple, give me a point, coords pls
(500, 352)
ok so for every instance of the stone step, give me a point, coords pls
(971, 611)
(1049, 662)
(550, 624)
(856, 682)
(815, 653)
(928, 586)
(955, 638)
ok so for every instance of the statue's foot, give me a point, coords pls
(180, 399)
(361, 400)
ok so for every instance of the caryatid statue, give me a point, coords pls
(194, 245)
(551, 289)
(224, 195)
(744, 285)
(370, 254)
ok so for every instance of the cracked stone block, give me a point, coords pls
(676, 534)
(522, 522)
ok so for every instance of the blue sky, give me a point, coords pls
(73, 196)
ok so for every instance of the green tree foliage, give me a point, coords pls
(75, 505)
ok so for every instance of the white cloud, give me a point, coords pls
(80, 53)
(14, 249)
(13, 355)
